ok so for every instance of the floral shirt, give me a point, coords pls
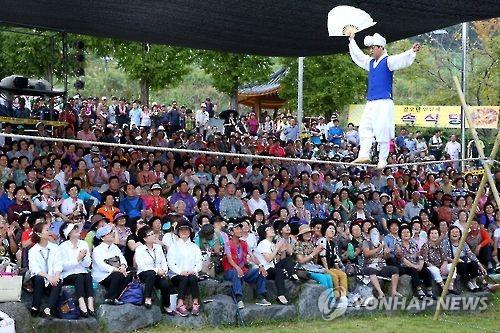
(433, 254)
(411, 253)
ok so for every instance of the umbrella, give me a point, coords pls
(225, 114)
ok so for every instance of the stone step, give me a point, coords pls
(127, 317)
(82, 325)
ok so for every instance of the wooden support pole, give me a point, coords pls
(465, 233)
(486, 164)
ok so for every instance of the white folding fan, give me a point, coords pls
(344, 19)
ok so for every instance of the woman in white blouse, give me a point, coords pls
(45, 267)
(73, 206)
(109, 267)
(152, 267)
(185, 260)
(76, 266)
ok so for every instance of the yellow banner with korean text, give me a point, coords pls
(439, 116)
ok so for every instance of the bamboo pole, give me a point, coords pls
(473, 210)
(486, 165)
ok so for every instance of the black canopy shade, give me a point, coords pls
(266, 27)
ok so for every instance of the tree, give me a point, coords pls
(330, 84)
(154, 66)
(30, 53)
(230, 71)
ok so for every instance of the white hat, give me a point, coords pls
(68, 229)
(376, 39)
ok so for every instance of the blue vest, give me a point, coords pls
(379, 81)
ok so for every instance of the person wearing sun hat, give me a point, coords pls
(185, 261)
(305, 252)
(75, 267)
(109, 267)
(378, 117)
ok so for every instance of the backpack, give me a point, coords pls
(132, 293)
(66, 307)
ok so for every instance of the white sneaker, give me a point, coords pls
(471, 285)
(240, 305)
(343, 301)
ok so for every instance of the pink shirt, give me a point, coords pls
(87, 136)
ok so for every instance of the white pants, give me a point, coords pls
(377, 121)
(436, 273)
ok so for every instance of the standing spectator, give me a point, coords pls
(86, 134)
(436, 145)
(453, 148)
(252, 124)
(135, 115)
(201, 119)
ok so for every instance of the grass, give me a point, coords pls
(487, 321)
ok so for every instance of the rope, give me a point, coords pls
(217, 153)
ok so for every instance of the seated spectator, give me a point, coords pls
(109, 267)
(375, 252)
(267, 253)
(306, 253)
(332, 261)
(73, 206)
(468, 268)
(435, 260)
(155, 205)
(45, 267)
(152, 268)
(479, 241)
(238, 269)
(132, 204)
(412, 263)
(108, 210)
(76, 264)
(185, 261)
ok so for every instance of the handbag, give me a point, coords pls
(10, 288)
(113, 261)
(132, 293)
(66, 307)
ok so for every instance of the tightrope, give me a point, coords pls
(216, 153)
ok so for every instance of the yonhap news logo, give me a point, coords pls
(332, 308)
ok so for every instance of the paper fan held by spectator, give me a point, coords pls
(344, 19)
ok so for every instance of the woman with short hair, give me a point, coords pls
(152, 267)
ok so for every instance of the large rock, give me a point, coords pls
(292, 288)
(307, 304)
(211, 287)
(127, 317)
(221, 311)
(257, 314)
(20, 314)
(82, 325)
(185, 322)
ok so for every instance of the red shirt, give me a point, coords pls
(238, 253)
(159, 205)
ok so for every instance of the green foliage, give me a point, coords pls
(30, 53)
(230, 71)
(330, 84)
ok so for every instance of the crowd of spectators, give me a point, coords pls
(80, 214)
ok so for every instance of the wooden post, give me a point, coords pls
(487, 171)
(486, 165)
(465, 233)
